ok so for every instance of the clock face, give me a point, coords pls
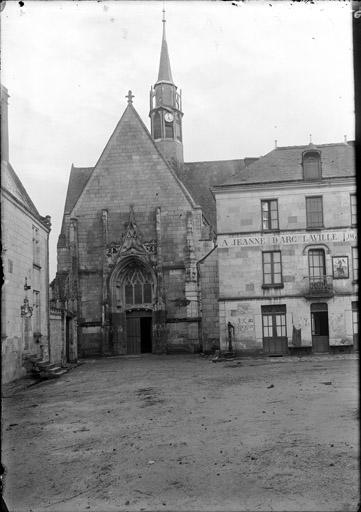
(168, 117)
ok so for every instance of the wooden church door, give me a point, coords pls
(139, 332)
(133, 335)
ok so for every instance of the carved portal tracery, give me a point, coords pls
(134, 288)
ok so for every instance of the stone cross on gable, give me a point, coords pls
(130, 97)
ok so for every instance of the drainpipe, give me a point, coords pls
(200, 324)
(47, 287)
(200, 309)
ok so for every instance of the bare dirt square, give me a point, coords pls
(183, 433)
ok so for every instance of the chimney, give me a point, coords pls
(4, 125)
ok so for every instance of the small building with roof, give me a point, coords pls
(287, 252)
(25, 256)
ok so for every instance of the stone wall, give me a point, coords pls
(19, 266)
(246, 317)
(132, 173)
(242, 289)
(209, 285)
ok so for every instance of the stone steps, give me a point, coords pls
(47, 370)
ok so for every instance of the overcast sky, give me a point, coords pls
(249, 74)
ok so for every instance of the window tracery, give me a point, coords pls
(135, 288)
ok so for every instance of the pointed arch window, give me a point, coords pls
(138, 287)
(157, 126)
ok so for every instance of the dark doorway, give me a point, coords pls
(319, 322)
(145, 335)
(139, 332)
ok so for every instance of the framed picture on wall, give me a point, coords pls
(340, 267)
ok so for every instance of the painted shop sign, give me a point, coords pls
(287, 239)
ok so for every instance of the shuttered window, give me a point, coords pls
(314, 212)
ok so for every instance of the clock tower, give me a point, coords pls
(166, 110)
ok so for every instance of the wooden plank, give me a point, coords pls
(133, 335)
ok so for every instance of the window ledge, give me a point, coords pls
(271, 230)
(315, 228)
(279, 285)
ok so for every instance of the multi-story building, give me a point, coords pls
(287, 252)
(25, 255)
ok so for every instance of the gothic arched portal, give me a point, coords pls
(133, 289)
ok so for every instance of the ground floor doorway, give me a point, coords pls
(355, 325)
(274, 330)
(139, 332)
(319, 324)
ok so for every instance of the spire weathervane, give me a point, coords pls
(130, 97)
(163, 20)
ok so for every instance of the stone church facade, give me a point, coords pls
(137, 263)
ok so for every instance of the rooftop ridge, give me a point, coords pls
(328, 144)
(213, 161)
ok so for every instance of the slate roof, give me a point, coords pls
(285, 164)
(12, 183)
(197, 177)
(164, 73)
(77, 181)
(200, 177)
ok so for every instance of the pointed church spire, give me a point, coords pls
(166, 110)
(164, 73)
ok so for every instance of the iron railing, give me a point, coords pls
(319, 286)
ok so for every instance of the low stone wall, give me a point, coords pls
(12, 359)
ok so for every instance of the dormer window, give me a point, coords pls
(311, 162)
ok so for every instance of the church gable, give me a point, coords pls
(132, 171)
